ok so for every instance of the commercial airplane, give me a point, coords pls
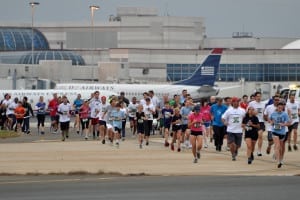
(34, 95)
(200, 84)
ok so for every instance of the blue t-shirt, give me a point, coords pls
(78, 103)
(167, 114)
(117, 117)
(279, 117)
(41, 108)
(185, 111)
(217, 111)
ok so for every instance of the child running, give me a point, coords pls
(140, 115)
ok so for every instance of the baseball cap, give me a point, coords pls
(197, 108)
(235, 99)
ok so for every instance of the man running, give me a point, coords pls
(294, 111)
(233, 118)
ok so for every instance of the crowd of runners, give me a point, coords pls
(182, 122)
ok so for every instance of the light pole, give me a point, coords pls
(32, 4)
(93, 8)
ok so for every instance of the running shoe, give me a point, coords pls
(195, 160)
(259, 154)
(295, 147)
(86, 138)
(205, 146)
(103, 141)
(233, 158)
(166, 144)
(289, 148)
(178, 150)
(198, 154)
(147, 143)
(279, 165)
(172, 147)
(249, 161)
(252, 156)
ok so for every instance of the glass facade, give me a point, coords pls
(51, 55)
(235, 72)
(20, 39)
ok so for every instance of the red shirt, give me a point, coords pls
(84, 112)
(244, 105)
(199, 121)
(205, 111)
(53, 106)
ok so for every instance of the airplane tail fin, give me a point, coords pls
(206, 73)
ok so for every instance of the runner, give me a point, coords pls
(40, 107)
(251, 126)
(167, 113)
(140, 115)
(95, 106)
(259, 110)
(233, 118)
(83, 112)
(26, 122)
(20, 113)
(267, 113)
(76, 106)
(64, 110)
(205, 110)
(279, 119)
(132, 109)
(148, 109)
(195, 124)
(216, 111)
(52, 107)
(10, 112)
(294, 111)
(117, 115)
(176, 128)
(102, 119)
(125, 111)
(185, 111)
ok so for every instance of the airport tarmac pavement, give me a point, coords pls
(32, 154)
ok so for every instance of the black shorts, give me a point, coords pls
(132, 119)
(102, 123)
(85, 123)
(20, 120)
(54, 118)
(235, 138)
(252, 136)
(270, 136)
(64, 125)
(41, 119)
(176, 127)
(196, 133)
(293, 126)
(281, 137)
(184, 127)
(140, 128)
(262, 126)
(168, 126)
(117, 130)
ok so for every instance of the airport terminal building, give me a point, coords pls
(138, 45)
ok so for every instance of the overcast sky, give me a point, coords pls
(265, 18)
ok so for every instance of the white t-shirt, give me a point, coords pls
(11, 108)
(132, 109)
(259, 108)
(147, 110)
(95, 106)
(293, 108)
(65, 110)
(234, 118)
(268, 111)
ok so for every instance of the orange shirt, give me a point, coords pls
(20, 112)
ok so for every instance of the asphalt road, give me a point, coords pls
(182, 187)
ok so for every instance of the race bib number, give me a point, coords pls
(140, 121)
(236, 120)
(197, 125)
(84, 120)
(277, 127)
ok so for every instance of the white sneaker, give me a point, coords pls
(206, 146)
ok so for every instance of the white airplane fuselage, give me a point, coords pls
(137, 90)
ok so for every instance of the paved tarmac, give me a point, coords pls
(149, 188)
(32, 154)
